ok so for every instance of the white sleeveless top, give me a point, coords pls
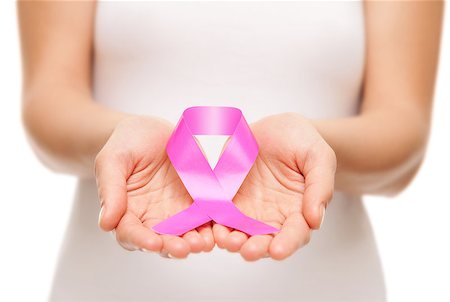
(158, 58)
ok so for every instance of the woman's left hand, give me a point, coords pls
(288, 187)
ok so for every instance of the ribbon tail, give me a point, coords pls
(227, 214)
(182, 222)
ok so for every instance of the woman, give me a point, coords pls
(357, 78)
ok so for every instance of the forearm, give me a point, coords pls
(377, 152)
(67, 129)
(65, 126)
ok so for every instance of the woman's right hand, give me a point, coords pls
(138, 187)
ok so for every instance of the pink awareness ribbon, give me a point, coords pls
(212, 191)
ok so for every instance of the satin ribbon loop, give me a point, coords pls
(212, 190)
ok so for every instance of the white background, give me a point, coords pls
(412, 229)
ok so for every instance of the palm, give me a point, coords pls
(273, 191)
(153, 190)
(155, 194)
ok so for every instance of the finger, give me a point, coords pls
(220, 234)
(111, 176)
(206, 232)
(195, 241)
(175, 247)
(256, 247)
(235, 240)
(319, 172)
(294, 234)
(132, 235)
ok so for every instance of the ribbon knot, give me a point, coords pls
(212, 190)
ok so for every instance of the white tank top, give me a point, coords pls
(158, 58)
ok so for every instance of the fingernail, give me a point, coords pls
(166, 255)
(144, 250)
(100, 215)
(322, 210)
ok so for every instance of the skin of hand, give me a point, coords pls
(138, 187)
(288, 187)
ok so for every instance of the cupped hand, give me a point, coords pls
(138, 187)
(288, 187)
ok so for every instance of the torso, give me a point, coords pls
(157, 58)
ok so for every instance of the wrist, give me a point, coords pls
(96, 126)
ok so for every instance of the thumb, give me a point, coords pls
(319, 172)
(111, 174)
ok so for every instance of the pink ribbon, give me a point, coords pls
(212, 191)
